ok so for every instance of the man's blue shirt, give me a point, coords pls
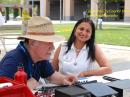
(20, 55)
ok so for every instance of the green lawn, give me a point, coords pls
(64, 29)
(114, 35)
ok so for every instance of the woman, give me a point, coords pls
(76, 56)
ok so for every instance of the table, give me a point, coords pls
(119, 75)
(124, 74)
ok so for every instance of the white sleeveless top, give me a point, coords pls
(69, 63)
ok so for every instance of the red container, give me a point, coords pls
(21, 76)
(17, 90)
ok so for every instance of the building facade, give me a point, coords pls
(73, 9)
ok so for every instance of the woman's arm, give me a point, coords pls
(105, 66)
(55, 60)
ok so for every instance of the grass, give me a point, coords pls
(64, 29)
(113, 35)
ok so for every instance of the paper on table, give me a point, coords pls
(92, 78)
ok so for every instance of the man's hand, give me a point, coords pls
(70, 79)
(60, 79)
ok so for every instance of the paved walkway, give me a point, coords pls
(116, 53)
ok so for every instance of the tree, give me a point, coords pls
(102, 8)
(10, 1)
(102, 4)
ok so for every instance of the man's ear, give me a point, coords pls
(31, 43)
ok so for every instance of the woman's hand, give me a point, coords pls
(81, 74)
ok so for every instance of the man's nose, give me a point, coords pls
(51, 47)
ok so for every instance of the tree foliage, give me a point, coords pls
(112, 1)
(107, 0)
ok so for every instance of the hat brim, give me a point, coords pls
(45, 38)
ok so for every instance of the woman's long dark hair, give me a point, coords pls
(89, 43)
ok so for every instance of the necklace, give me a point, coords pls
(77, 50)
(77, 53)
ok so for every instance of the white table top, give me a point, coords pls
(125, 74)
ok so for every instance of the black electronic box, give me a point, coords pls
(72, 91)
(121, 86)
(100, 90)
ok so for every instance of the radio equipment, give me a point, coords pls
(100, 90)
(121, 86)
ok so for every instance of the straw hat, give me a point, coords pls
(41, 29)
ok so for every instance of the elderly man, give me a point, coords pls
(34, 53)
